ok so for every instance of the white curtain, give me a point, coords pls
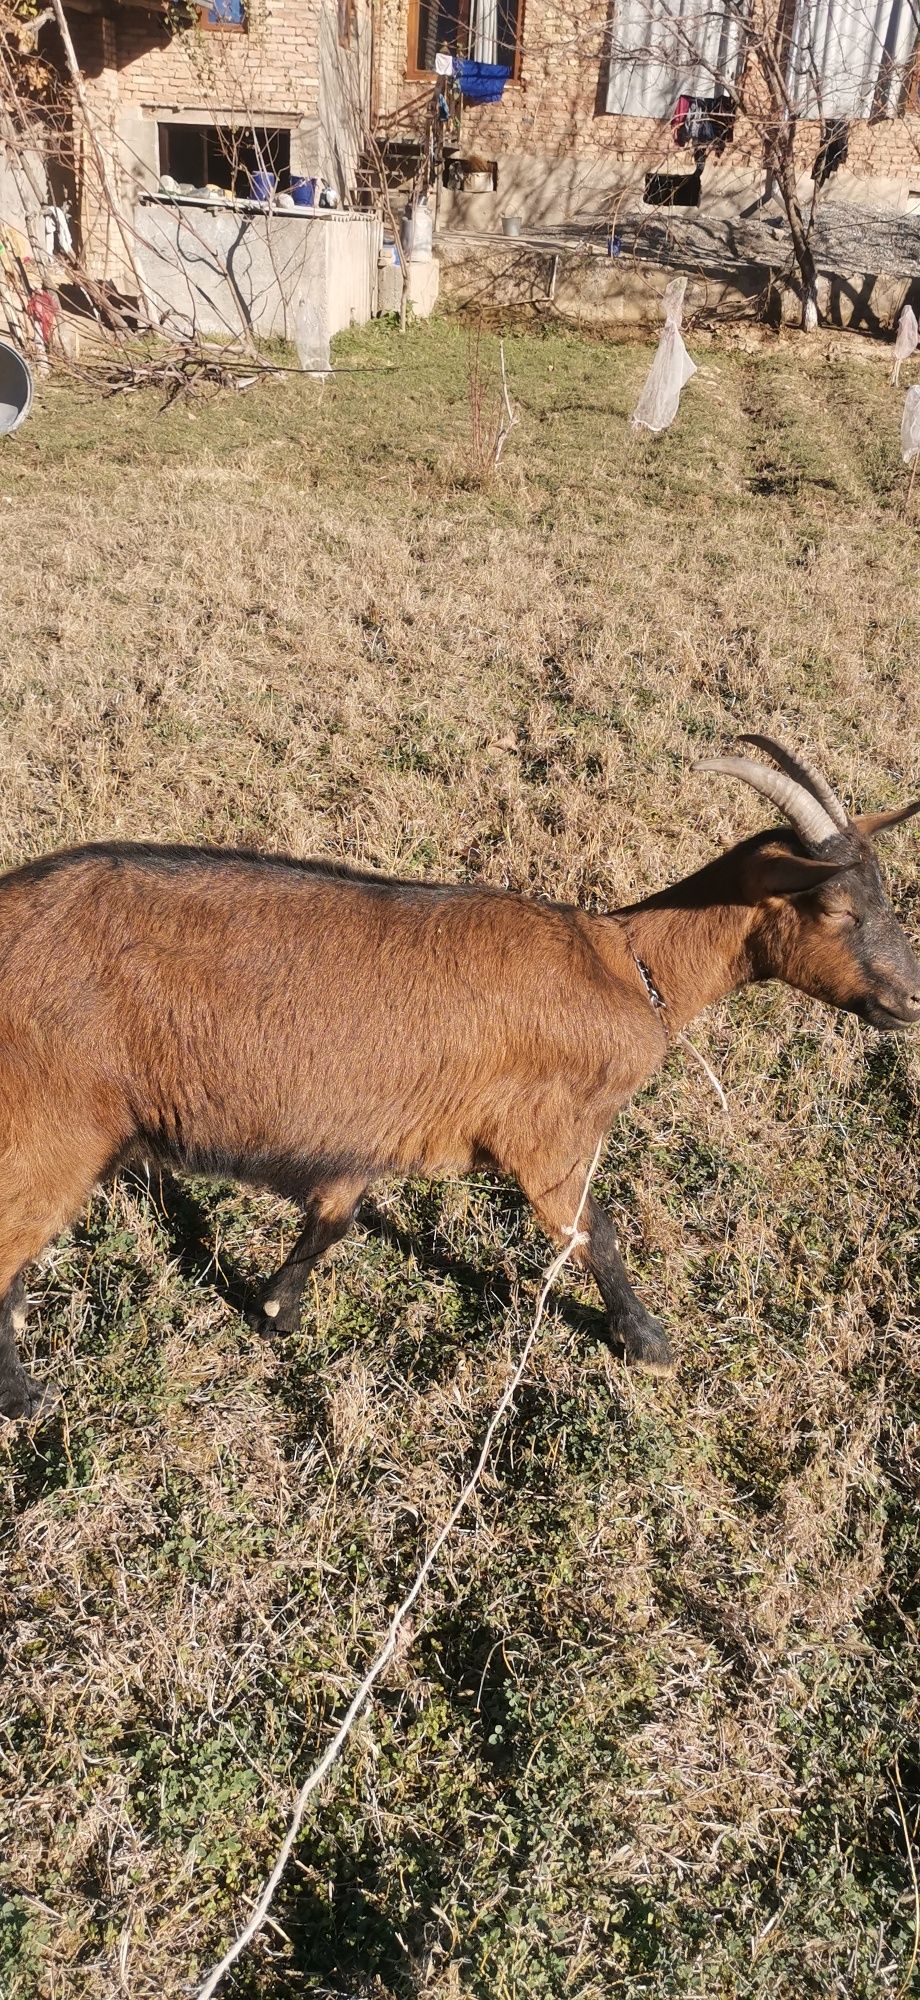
(485, 31)
(848, 58)
(661, 50)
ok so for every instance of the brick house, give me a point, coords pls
(247, 85)
(585, 121)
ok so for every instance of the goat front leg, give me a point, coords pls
(631, 1327)
(329, 1213)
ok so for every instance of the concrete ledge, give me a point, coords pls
(734, 270)
(583, 288)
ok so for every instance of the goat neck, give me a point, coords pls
(693, 938)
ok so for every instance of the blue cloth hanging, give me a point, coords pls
(481, 83)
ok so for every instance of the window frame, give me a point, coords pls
(414, 73)
(885, 96)
(240, 27)
(911, 98)
(273, 141)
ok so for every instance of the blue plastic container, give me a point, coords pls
(303, 190)
(481, 83)
(263, 186)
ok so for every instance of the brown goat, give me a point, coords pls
(310, 1029)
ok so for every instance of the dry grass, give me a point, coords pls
(646, 1742)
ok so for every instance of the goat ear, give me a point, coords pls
(869, 824)
(791, 874)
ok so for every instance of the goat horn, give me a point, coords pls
(805, 815)
(804, 774)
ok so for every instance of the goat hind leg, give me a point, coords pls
(328, 1216)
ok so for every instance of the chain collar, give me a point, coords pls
(655, 999)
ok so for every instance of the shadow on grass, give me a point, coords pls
(39, 1461)
(189, 1229)
(477, 1283)
(348, 1939)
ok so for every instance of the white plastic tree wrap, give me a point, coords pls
(670, 371)
(906, 340)
(311, 335)
(910, 425)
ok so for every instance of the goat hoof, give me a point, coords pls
(647, 1346)
(28, 1401)
(277, 1314)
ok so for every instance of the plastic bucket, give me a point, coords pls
(511, 225)
(303, 190)
(263, 186)
(15, 389)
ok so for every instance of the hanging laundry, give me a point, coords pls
(705, 123)
(44, 308)
(482, 82)
(62, 229)
(833, 151)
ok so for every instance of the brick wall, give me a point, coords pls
(272, 67)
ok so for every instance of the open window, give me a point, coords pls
(220, 156)
(852, 58)
(488, 30)
(661, 50)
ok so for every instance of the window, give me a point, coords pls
(673, 190)
(487, 30)
(223, 14)
(851, 58)
(217, 156)
(661, 50)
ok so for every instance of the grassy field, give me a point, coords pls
(657, 1733)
